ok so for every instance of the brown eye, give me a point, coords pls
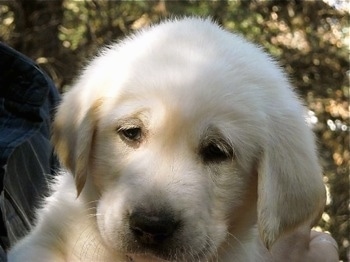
(216, 152)
(131, 134)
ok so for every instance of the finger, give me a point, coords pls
(323, 247)
(293, 246)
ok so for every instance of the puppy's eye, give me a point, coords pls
(216, 152)
(131, 134)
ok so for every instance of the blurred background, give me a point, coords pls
(310, 39)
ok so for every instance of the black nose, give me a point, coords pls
(152, 227)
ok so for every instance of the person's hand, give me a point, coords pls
(301, 245)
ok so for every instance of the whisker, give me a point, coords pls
(237, 240)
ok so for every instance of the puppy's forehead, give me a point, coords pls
(185, 92)
(187, 64)
(193, 71)
(170, 103)
(185, 86)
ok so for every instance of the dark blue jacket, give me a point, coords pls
(27, 100)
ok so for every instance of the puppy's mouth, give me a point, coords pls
(143, 258)
(167, 253)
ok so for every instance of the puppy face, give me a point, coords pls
(167, 156)
(184, 131)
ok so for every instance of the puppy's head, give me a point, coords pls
(174, 128)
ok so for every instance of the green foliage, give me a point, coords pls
(309, 38)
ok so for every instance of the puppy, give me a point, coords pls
(183, 142)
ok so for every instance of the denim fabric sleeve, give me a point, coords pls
(27, 101)
(25, 184)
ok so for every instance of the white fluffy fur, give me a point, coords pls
(184, 83)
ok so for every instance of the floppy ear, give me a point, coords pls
(73, 133)
(290, 187)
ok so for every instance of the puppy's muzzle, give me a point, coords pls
(153, 227)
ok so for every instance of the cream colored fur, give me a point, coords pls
(185, 84)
